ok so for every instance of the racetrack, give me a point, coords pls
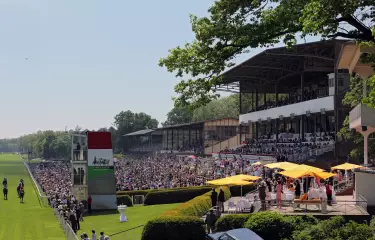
(26, 220)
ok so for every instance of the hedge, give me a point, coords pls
(231, 221)
(124, 200)
(272, 225)
(145, 192)
(174, 228)
(235, 191)
(173, 196)
(197, 206)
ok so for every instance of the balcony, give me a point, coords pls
(362, 115)
(312, 106)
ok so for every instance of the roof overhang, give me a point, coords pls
(277, 64)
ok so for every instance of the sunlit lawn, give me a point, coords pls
(109, 222)
(28, 220)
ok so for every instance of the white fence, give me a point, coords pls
(42, 197)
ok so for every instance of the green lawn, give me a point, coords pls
(109, 222)
(28, 220)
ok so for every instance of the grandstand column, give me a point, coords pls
(79, 166)
(302, 122)
(256, 109)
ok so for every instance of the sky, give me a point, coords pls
(66, 63)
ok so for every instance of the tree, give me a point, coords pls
(233, 27)
(220, 108)
(352, 98)
(127, 122)
(178, 115)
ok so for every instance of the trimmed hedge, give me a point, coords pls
(173, 228)
(235, 191)
(197, 206)
(145, 192)
(272, 225)
(173, 196)
(231, 221)
(124, 200)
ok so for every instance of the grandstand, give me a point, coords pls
(202, 137)
(290, 106)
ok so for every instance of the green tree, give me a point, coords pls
(233, 27)
(127, 122)
(178, 115)
(352, 98)
(219, 108)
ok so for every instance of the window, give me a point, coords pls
(226, 237)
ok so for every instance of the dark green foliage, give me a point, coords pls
(235, 191)
(231, 221)
(272, 225)
(145, 192)
(335, 228)
(197, 206)
(124, 200)
(174, 228)
(173, 196)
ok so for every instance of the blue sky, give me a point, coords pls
(87, 60)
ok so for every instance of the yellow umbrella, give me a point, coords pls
(298, 173)
(307, 167)
(245, 177)
(346, 166)
(282, 165)
(228, 182)
(256, 163)
(237, 180)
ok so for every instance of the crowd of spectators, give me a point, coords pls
(55, 180)
(171, 171)
(284, 148)
(292, 98)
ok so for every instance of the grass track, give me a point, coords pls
(109, 222)
(28, 220)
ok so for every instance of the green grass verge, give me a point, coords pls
(28, 220)
(109, 222)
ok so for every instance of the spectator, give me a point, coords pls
(213, 197)
(93, 236)
(210, 221)
(221, 200)
(89, 202)
(101, 237)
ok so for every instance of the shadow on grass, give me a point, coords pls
(100, 213)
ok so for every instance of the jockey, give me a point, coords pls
(5, 182)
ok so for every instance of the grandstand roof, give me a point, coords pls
(140, 132)
(273, 65)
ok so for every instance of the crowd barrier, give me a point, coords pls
(42, 197)
(44, 203)
(65, 226)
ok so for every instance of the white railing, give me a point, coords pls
(43, 198)
(70, 234)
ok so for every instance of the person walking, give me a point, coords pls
(210, 221)
(329, 193)
(279, 191)
(262, 194)
(221, 200)
(213, 197)
(89, 202)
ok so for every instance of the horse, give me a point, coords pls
(22, 194)
(5, 192)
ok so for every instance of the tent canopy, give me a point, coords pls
(282, 165)
(346, 166)
(238, 180)
(298, 173)
(307, 167)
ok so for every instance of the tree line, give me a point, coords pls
(57, 144)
